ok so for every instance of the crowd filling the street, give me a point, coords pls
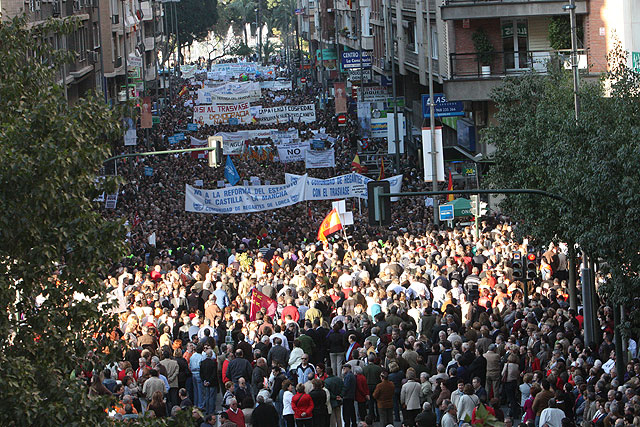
(257, 319)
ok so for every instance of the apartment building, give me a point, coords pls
(511, 37)
(107, 30)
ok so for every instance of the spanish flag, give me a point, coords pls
(183, 90)
(329, 225)
(381, 176)
(356, 166)
(450, 187)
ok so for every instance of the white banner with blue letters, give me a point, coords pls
(244, 199)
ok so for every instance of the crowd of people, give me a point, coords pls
(412, 324)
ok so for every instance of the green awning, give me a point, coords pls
(461, 207)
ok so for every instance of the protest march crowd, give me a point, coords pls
(256, 320)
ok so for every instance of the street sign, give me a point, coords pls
(446, 212)
(352, 60)
(469, 171)
(442, 107)
(342, 120)
(635, 61)
(303, 80)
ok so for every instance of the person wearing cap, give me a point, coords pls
(348, 397)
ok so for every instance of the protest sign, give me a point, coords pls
(216, 114)
(288, 113)
(320, 159)
(243, 199)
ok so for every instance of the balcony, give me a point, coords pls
(147, 13)
(471, 81)
(478, 9)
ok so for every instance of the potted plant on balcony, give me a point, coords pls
(484, 50)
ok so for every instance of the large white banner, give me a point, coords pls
(285, 113)
(276, 85)
(427, 154)
(222, 114)
(230, 93)
(241, 199)
(293, 152)
(235, 68)
(318, 159)
(343, 186)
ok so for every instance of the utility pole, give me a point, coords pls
(432, 123)
(124, 43)
(359, 23)
(393, 88)
(175, 17)
(322, 76)
(574, 55)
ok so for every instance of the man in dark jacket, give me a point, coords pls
(265, 414)
(348, 397)
(426, 418)
(278, 353)
(238, 368)
(209, 376)
(258, 375)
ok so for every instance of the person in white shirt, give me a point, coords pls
(449, 418)
(552, 416)
(287, 410)
(610, 364)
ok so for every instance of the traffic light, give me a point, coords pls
(478, 207)
(532, 265)
(215, 156)
(474, 204)
(516, 264)
(379, 206)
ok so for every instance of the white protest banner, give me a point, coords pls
(232, 147)
(318, 159)
(294, 152)
(391, 133)
(279, 135)
(338, 187)
(216, 114)
(276, 85)
(285, 113)
(243, 199)
(130, 136)
(343, 186)
(254, 110)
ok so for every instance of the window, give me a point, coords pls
(96, 36)
(410, 30)
(34, 5)
(434, 42)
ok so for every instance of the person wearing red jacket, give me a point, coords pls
(362, 392)
(302, 405)
(291, 310)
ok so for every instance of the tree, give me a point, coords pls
(56, 246)
(196, 18)
(590, 162)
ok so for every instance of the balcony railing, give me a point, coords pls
(468, 65)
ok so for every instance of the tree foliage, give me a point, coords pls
(55, 246)
(591, 162)
(196, 18)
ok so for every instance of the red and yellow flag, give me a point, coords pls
(183, 90)
(450, 187)
(260, 300)
(357, 166)
(381, 176)
(329, 225)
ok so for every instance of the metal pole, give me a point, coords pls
(587, 300)
(394, 90)
(175, 17)
(574, 57)
(103, 80)
(432, 126)
(322, 76)
(361, 96)
(126, 65)
(259, 29)
(573, 293)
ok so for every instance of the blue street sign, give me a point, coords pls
(351, 60)
(442, 107)
(446, 212)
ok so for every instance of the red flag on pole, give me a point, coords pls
(260, 300)
(450, 187)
